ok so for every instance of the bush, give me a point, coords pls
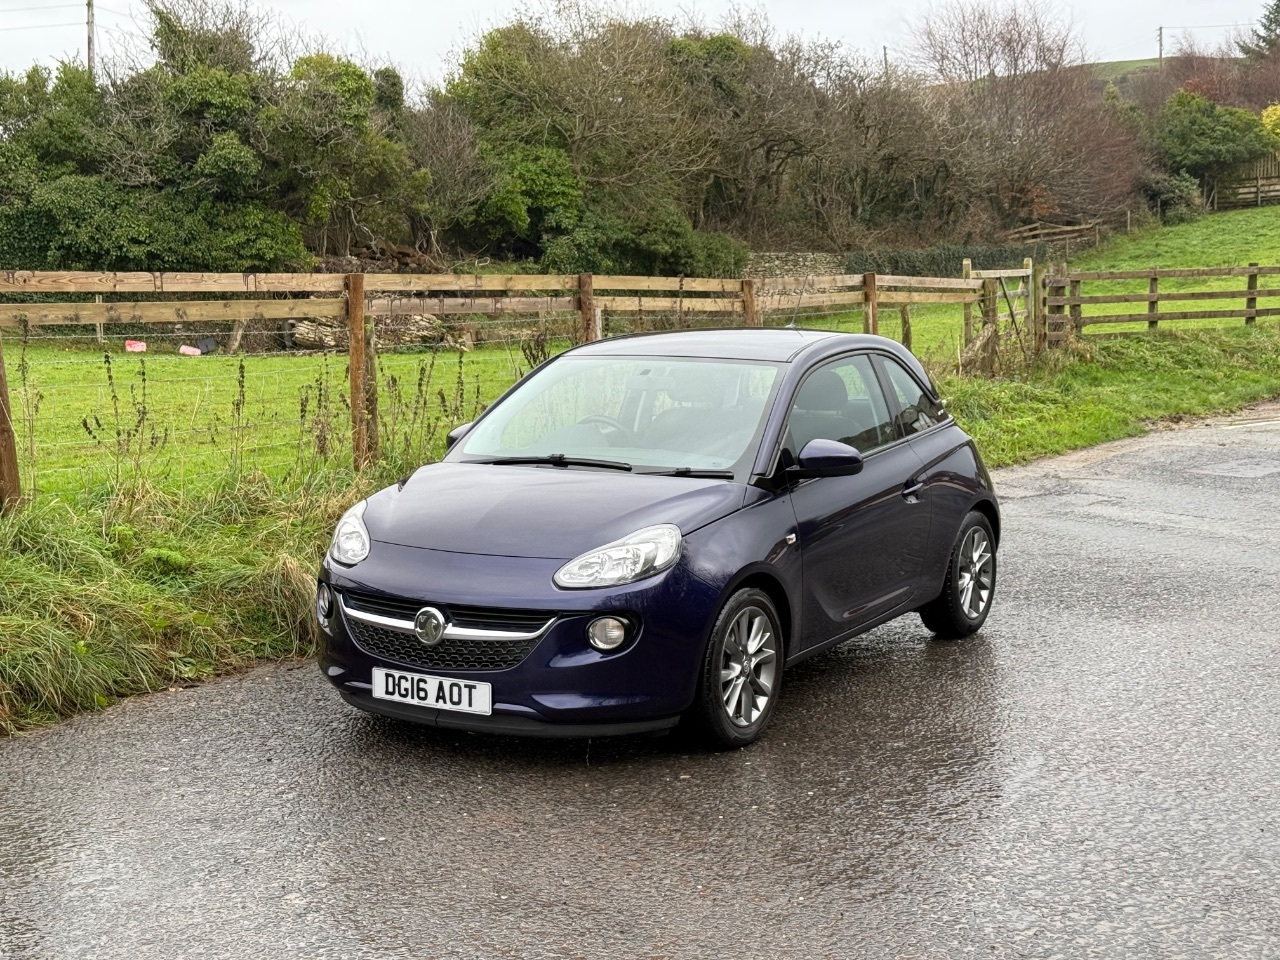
(1175, 197)
(1198, 137)
(944, 260)
(661, 243)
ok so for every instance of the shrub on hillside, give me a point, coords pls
(1198, 137)
(1174, 196)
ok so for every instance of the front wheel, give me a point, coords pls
(741, 672)
(965, 601)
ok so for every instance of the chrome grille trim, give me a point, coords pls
(451, 632)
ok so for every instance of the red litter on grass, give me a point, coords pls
(135, 346)
(188, 351)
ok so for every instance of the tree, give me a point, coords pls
(1264, 39)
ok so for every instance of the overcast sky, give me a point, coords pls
(421, 35)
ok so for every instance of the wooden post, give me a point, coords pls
(237, 335)
(370, 390)
(1128, 222)
(1251, 303)
(1040, 322)
(587, 308)
(905, 312)
(990, 326)
(1077, 313)
(97, 298)
(1029, 298)
(10, 478)
(356, 365)
(1153, 304)
(967, 274)
(749, 303)
(870, 323)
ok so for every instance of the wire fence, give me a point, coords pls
(145, 378)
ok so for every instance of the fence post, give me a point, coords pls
(1029, 300)
(967, 274)
(749, 303)
(1077, 314)
(991, 325)
(371, 445)
(1038, 301)
(1055, 317)
(10, 478)
(587, 308)
(870, 322)
(905, 313)
(357, 370)
(1251, 303)
(1153, 300)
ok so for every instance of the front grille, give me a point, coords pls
(452, 653)
(475, 618)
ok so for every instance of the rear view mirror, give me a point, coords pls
(826, 458)
(456, 434)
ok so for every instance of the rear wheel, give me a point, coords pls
(962, 607)
(741, 673)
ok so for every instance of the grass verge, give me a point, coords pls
(137, 588)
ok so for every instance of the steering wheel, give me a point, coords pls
(604, 420)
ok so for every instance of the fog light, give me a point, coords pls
(324, 604)
(607, 633)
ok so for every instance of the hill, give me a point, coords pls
(1227, 239)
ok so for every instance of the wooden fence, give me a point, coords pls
(1065, 298)
(352, 300)
(1252, 185)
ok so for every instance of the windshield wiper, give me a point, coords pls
(695, 473)
(558, 460)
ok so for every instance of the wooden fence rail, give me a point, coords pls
(1065, 298)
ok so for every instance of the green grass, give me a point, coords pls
(1118, 71)
(85, 416)
(1229, 239)
(1110, 389)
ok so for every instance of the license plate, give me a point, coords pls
(439, 693)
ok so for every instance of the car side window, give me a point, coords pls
(841, 401)
(918, 410)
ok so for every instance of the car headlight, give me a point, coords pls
(632, 558)
(351, 538)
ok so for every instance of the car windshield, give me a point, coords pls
(654, 413)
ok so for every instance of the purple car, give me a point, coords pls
(652, 529)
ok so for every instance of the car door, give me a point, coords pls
(944, 450)
(863, 537)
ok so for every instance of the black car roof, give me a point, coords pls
(778, 344)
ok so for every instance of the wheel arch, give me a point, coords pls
(989, 510)
(766, 581)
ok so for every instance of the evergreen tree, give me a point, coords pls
(1265, 37)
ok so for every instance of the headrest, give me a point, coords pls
(824, 391)
(692, 385)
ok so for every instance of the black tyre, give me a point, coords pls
(970, 587)
(741, 672)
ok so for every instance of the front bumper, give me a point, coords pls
(563, 687)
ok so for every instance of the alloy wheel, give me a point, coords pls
(976, 573)
(748, 666)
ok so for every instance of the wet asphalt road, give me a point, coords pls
(1096, 774)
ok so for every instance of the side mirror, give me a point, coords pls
(826, 458)
(456, 434)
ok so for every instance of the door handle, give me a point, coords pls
(912, 489)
